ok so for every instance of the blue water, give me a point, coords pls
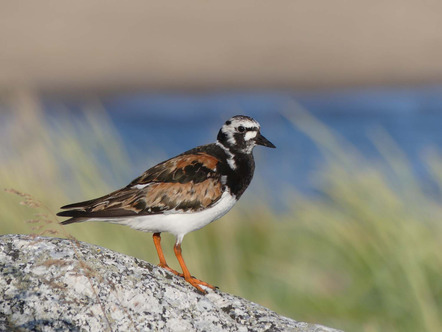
(155, 126)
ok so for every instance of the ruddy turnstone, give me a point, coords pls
(184, 193)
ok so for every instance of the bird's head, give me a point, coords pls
(241, 134)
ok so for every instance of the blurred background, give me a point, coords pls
(342, 223)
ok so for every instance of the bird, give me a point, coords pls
(182, 194)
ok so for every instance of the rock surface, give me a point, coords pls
(49, 284)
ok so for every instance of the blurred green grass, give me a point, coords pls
(365, 255)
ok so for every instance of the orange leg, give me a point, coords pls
(163, 264)
(186, 274)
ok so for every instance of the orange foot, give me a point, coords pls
(192, 280)
(166, 267)
(198, 283)
(187, 276)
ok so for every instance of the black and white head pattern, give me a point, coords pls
(238, 134)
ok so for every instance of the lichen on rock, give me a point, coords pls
(49, 284)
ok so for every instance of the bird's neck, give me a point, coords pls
(242, 174)
(239, 168)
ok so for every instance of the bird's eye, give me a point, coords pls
(241, 129)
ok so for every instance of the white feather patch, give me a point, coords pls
(231, 163)
(141, 186)
(230, 159)
(250, 134)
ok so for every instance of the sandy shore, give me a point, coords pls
(104, 46)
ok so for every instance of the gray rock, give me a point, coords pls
(50, 284)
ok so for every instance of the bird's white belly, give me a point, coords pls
(179, 223)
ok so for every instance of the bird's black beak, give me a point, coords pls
(261, 140)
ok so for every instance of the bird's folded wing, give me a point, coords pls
(185, 183)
